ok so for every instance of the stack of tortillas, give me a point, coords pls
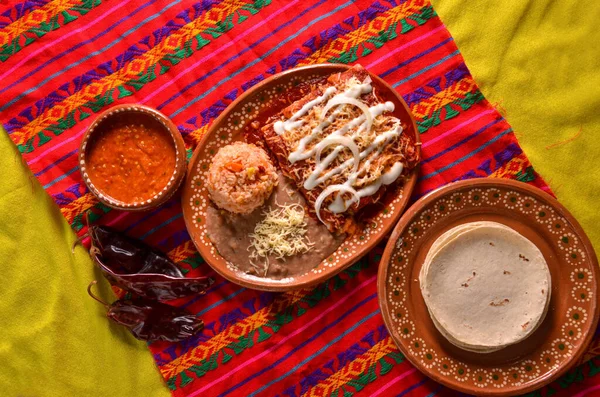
(485, 286)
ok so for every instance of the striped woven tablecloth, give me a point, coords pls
(63, 61)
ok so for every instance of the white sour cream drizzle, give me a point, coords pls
(339, 138)
(293, 123)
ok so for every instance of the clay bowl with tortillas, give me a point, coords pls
(489, 286)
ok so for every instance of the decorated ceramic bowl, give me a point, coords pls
(132, 157)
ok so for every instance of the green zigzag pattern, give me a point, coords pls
(366, 47)
(56, 22)
(449, 111)
(382, 367)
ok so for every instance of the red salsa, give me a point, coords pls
(131, 162)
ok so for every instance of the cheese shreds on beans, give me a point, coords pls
(281, 233)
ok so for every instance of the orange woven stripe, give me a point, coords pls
(182, 251)
(195, 136)
(34, 19)
(371, 29)
(352, 370)
(230, 334)
(76, 207)
(508, 170)
(129, 71)
(457, 90)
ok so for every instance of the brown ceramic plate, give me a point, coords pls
(573, 314)
(229, 128)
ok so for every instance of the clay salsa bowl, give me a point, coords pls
(134, 114)
(229, 127)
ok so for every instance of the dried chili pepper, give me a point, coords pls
(136, 267)
(150, 320)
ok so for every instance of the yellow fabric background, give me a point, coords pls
(54, 339)
(540, 59)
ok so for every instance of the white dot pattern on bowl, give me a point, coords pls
(579, 288)
(96, 191)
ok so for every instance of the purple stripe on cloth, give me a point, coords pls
(458, 127)
(428, 68)
(215, 327)
(55, 163)
(461, 142)
(450, 77)
(404, 46)
(53, 148)
(500, 158)
(485, 168)
(411, 388)
(465, 157)
(312, 356)
(422, 54)
(328, 369)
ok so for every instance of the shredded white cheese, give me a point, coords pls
(281, 233)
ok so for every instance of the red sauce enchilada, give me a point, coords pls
(341, 145)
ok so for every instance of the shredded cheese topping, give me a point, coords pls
(282, 233)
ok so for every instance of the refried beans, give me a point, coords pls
(230, 234)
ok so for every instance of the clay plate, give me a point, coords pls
(228, 128)
(573, 314)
